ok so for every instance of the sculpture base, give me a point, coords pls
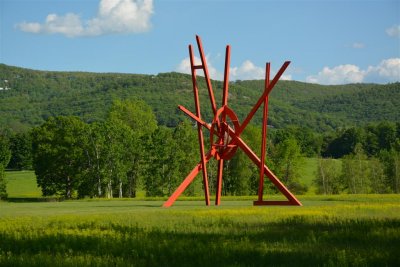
(274, 203)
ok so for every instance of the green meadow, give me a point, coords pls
(336, 230)
(22, 184)
(361, 230)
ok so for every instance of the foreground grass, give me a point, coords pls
(326, 231)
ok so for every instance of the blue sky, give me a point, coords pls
(328, 42)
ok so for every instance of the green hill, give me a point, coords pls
(33, 96)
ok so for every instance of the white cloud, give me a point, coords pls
(32, 27)
(387, 70)
(184, 67)
(337, 75)
(358, 45)
(247, 71)
(393, 31)
(114, 16)
(286, 77)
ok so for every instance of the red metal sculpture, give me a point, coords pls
(225, 131)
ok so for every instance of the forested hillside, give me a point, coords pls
(29, 97)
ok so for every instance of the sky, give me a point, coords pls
(327, 41)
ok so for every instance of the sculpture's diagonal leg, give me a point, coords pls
(188, 180)
(262, 98)
(281, 187)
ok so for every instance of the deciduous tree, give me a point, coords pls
(5, 155)
(58, 155)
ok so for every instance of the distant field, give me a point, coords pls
(22, 184)
(347, 230)
(308, 173)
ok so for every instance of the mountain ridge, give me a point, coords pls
(35, 95)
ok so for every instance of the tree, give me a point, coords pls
(241, 174)
(391, 161)
(238, 175)
(95, 151)
(136, 114)
(21, 151)
(344, 144)
(185, 155)
(118, 139)
(355, 172)
(139, 116)
(161, 169)
(58, 155)
(108, 151)
(378, 179)
(310, 143)
(287, 162)
(5, 156)
(381, 136)
(328, 177)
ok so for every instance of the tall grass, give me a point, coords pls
(325, 232)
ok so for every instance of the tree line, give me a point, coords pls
(128, 152)
(357, 173)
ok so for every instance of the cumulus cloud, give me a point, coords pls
(114, 16)
(339, 74)
(393, 31)
(387, 70)
(246, 71)
(184, 67)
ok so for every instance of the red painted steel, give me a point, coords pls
(262, 98)
(264, 135)
(187, 181)
(281, 187)
(225, 131)
(199, 130)
(206, 75)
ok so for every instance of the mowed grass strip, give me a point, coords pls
(338, 231)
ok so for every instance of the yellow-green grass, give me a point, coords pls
(22, 184)
(347, 230)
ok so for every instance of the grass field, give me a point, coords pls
(22, 184)
(346, 230)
